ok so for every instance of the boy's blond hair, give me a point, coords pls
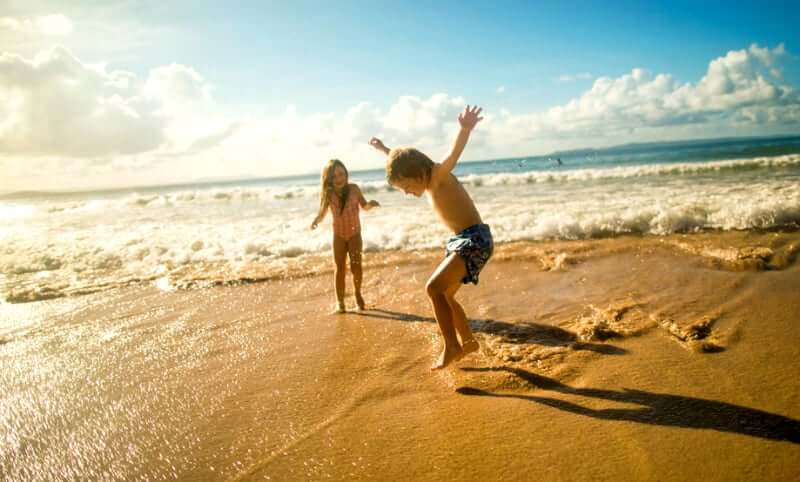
(409, 163)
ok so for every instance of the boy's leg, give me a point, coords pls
(468, 341)
(340, 258)
(446, 279)
(354, 250)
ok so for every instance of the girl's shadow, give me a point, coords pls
(656, 408)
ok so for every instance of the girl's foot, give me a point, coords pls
(469, 346)
(447, 357)
(360, 302)
(340, 308)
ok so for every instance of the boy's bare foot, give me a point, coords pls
(469, 346)
(447, 357)
(360, 302)
(339, 309)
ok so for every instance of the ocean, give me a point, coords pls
(178, 236)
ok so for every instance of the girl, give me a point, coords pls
(344, 200)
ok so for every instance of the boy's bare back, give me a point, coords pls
(451, 201)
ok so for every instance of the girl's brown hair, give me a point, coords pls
(326, 183)
(407, 162)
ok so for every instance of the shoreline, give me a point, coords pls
(752, 246)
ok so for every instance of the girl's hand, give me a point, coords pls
(373, 204)
(314, 224)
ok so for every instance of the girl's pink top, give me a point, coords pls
(345, 223)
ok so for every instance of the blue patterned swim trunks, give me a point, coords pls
(475, 246)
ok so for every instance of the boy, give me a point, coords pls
(467, 252)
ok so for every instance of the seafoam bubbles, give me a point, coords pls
(147, 200)
(257, 248)
(758, 213)
(556, 226)
(629, 172)
(15, 211)
(99, 242)
(185, 198)
(677, 219)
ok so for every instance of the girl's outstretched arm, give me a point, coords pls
(366, 205)
(323, 209)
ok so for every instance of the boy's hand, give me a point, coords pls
(373, 204)
(314, 224)
(377, 144)
(469, 117)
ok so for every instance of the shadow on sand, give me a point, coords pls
(522, 332)
(657, 408)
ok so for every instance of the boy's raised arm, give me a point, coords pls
(467, 119)
(378, 144)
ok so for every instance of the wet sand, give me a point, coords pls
(666, 358)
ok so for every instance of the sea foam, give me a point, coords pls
(83, 244)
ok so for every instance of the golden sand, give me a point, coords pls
(636, 358)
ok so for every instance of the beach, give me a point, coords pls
(630, 357)
(185, 185)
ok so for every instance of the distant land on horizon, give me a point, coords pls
(635, 146)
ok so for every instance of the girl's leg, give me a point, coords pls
(354, 250)
(446, 279)
(340, 259)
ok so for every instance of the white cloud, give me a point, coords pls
(54, 25)
(56, 105)
(425, 122)
(178, 88)
(59, 108)
(296, 143)
(501, 89)
(48, 25)
(185, 103)
(738, 86)
(213, 139)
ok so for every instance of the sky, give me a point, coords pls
(116, 93)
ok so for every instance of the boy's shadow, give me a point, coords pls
(516, 333)
(657, 408)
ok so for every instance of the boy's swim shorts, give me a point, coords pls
(475, 246)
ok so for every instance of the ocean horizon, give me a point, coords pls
(788, 142)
